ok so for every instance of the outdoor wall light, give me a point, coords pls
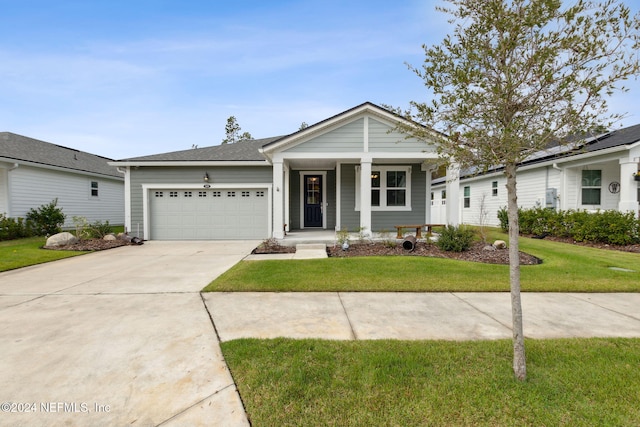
(206, 177)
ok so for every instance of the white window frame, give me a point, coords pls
(590, 187)
(466, 199)
(383, 187)
(92, 189)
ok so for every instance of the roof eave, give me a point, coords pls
(190, 163)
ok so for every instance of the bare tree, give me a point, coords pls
(516, 75)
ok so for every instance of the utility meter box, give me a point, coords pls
(551, 198)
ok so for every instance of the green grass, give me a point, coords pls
(25, 252)
(565, 268)
(577, 382)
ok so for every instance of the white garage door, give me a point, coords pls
(208, 214)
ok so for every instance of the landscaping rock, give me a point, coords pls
(500, 244)
(109, 237)
(61, 239)
(489, 248)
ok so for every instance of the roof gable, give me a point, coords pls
(341, 120)
(18, 148)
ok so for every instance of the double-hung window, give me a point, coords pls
(591, 187)
(467, 197)
(94, 188)
(390, 188)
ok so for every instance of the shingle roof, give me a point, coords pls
(21, 148)
(617, 138)
(240, 151)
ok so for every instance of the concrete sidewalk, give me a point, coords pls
(414, 316)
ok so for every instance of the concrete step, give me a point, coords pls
(310, 251)
(311, 246)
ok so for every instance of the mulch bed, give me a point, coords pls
(476, 253)
(91, 245)
(627, 248)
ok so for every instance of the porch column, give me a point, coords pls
(365, 196)
(453, 194)
(428, 168)
(278, 199)
(287, 180)
(628, 186)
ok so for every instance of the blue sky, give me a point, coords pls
(130, 78)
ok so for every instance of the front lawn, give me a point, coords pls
(565, 268)
(286, 382)
(25, 252)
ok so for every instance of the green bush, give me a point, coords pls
(609, 227)
(455, 239)
(99, 229)
(503, 217)
(12, 228)
(47, 219)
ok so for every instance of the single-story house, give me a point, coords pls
(352, 171)
(597, 173)
(33, 173)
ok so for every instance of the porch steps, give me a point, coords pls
(310, 251)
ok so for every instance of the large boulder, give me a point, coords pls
(61, 239)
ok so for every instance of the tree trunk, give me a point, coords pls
(519, 360)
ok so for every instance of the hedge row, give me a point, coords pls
(609, 227)
(45, 220)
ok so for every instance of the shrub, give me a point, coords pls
(609, 227)
(47, 219)
(99, 229)
(503, 217)
(12, 228)
(455, 239)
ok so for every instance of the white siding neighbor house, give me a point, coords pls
(351, 171)
(33, 173)
(598, 173)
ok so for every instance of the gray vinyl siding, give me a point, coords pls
(294, 200)
(330, 211)
(350, 218)
(382, 220)
(383, 139)
(347, 138)
(385, 220)
(31, 187)
(188, 175)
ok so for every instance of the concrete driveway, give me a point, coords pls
(119, 337)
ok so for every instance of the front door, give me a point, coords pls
(313, 200)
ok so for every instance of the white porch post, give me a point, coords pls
(287, 179)
(427, 197)
(453, 194)
(365, 196)
(278, 199)
(628, 186)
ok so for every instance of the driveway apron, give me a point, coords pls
(118, 337)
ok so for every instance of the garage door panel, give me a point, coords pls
(208, 214)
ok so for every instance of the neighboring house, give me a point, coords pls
(352, 171)
(594, 174)
(33, 173)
